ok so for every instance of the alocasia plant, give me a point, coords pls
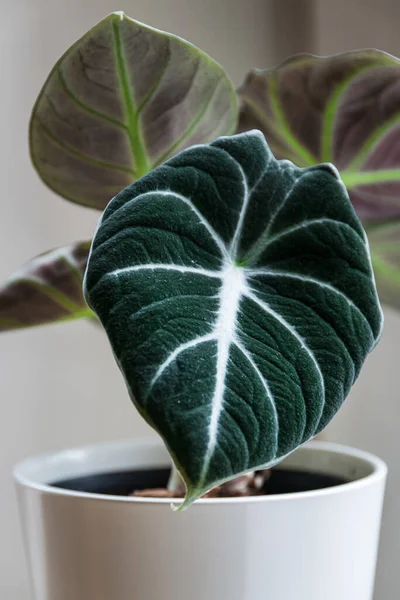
(126, 97)
(239, 299)
(236, 290)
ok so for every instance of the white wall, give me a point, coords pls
(59, 385)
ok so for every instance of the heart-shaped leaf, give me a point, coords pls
(239, 299)
(46, 290)
(122, 99)
(344, 109)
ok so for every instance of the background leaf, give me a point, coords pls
(122, 99)
(343, 109)
(46, 290)
(385, 253)
(239, 299)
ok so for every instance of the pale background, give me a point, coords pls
(59, 385)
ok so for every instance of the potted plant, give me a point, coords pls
(238, 295)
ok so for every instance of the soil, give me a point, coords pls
(250, 484)
(153, 483)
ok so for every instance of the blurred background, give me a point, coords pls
(59, 385)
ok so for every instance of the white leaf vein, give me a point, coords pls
(264, 306)
(217, 239)
(171, 267)
(314, 281)
(305, 225)
(247, 193)
(174, 355)
(267, 389)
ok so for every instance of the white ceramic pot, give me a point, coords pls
(315, 545)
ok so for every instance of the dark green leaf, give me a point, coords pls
(122, 99)
(46, 290)
(239, 299)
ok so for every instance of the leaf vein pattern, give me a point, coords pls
(264, 306)
(79, 155)
(266, 387)
(217, 239)
(85, 107)
(312, 280)
(174, 355)
(304, 225)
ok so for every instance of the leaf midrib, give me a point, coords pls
(136, 142)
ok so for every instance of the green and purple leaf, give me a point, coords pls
(344, 109)
(48, 289)
(120, 101)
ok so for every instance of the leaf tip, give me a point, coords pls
(178, 507)
(190, 498)
(120, 14)
(327, 166)
(256, 133)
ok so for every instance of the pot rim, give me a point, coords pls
(22, 470)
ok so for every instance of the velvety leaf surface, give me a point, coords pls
(344, 109)
(239, 300)
(46, 290)
(122, 99)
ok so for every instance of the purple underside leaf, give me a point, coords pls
(47, 289)
(343, 109)
(380, 200)
(121, 100)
